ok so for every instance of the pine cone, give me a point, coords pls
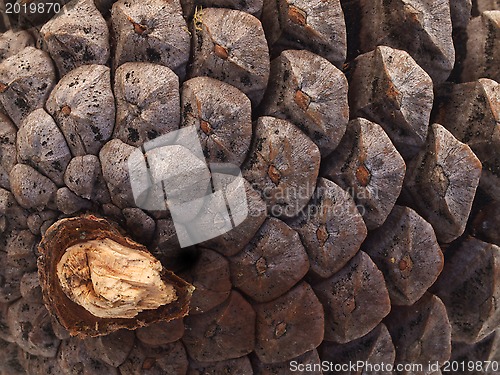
(359, 138)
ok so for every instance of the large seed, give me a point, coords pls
(8, 152)
(442, 181)
(355, 300)
(264, 270)
(417, 331)
(225, 332)
(468, 288)
(41, 144)
(483, 47)
(32, 189)
(82, 104)
(315, 25)
(471, 112)
(422, 28)
(374, 348)
(283, 165)
(235, 55)
(330, 227)
(96, 281)
(406, 250)
(282, 335)
(222, 116)
(147, 102)
(151, 31)
(311, 93)
(389, 88)
(26, 80)
(368, 166)
(78, 35)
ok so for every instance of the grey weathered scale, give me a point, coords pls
(406, 250)
(283, 165)
(483, 47)
(310, 92)
(367, 164)
(470, 112)
(151, 31)
(82, 104)
(355, 299)
(421, 27)
(225, 332)
(262, 270)
(235, 55)
(281, 335)
(412, 326)
(315, 25)
(442, 182)
(222, 115)
(77, 36)
(375, 347)
(147, 102)
(469, 288)
(330, 227)
(388, 87)
(26, 80)
(41, 144)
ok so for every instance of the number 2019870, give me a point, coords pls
(16, 8)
